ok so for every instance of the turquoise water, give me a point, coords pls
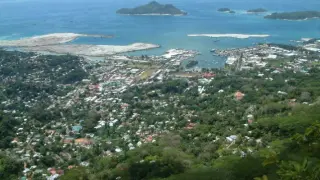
(23, 18)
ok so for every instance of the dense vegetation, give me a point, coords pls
(299, 15)
(9, 168)
(152, 8)
(7, 132)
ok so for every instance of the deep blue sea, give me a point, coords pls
(24, 18)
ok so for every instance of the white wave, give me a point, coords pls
(239, 36)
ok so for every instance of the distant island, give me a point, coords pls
(298, 15)
(258, 10)
(152, 8)
(226, 10)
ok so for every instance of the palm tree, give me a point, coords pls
(264, 177)
(292, 170)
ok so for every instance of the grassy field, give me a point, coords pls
(314, 63)
(278, 62)
(143, 66)
(185, 74)
(146, 74)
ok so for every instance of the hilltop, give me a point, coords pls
(152, 8)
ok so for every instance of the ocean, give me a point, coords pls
(24, 18)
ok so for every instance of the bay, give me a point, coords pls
(24, 18)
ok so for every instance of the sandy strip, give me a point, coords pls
(49, 39)
(92, 50)
(306, 39)
(239, 36)
(312, 49)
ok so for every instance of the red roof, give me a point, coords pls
(70, 167)
(92, 87)
(239, 95)
(208, 75)
(125, 105)
(53, 171)
(83, 141)
(190, 126)
(149, 138)
(68, 140)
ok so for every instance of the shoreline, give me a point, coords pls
(315, 18)
(306, 19)
(91, 50)
(55, 43)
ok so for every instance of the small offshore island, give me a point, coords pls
(298, 15)
(226, 10)
(153, 8)
(258, 10)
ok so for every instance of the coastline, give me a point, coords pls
(91, 50)
(55, 43)
(47, 39)
(294, 20)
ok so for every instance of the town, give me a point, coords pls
(287, 56)
(68, 110)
